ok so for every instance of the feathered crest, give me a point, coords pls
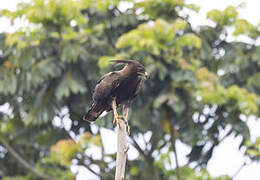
(121, 61)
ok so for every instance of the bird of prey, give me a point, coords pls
(116, 88)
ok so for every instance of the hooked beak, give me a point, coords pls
(146, 75)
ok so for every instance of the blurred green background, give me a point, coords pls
(200, 85)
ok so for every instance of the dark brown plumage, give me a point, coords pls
(122, 85)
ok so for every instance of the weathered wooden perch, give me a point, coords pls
(122, 146)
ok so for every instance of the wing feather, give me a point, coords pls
(106, 85)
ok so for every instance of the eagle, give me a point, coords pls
(116, 88)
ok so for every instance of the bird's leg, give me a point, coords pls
(125, 115)
(116, 116)
(114, 111)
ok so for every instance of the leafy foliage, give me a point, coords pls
(199, 85)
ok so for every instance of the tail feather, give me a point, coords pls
(93, 113)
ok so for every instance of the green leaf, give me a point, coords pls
(226, 17)
(189, 40)
(8, 83)
(253, 152)
(150, 37)
(72, 82)
(193, 7)
(242, 26)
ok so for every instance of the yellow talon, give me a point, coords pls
(122, 117)
(127, 126)
(115, 120)
(117, 117)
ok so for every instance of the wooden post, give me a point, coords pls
(122, 146)
(121, 150)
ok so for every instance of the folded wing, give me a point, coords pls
(102, 95)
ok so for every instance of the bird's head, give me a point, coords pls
(139, 68)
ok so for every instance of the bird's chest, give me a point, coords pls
(127, 89)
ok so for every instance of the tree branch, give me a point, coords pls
(173, 142)
(101, 174)
(25, 164)
(149, 159)
(240, 169)
(81, 162)
(139, 149)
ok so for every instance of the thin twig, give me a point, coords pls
(92, 161)
(225, 136)
(25, 164)
(148, 158)
(240, 169)
(81, 162)
(139, 149)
